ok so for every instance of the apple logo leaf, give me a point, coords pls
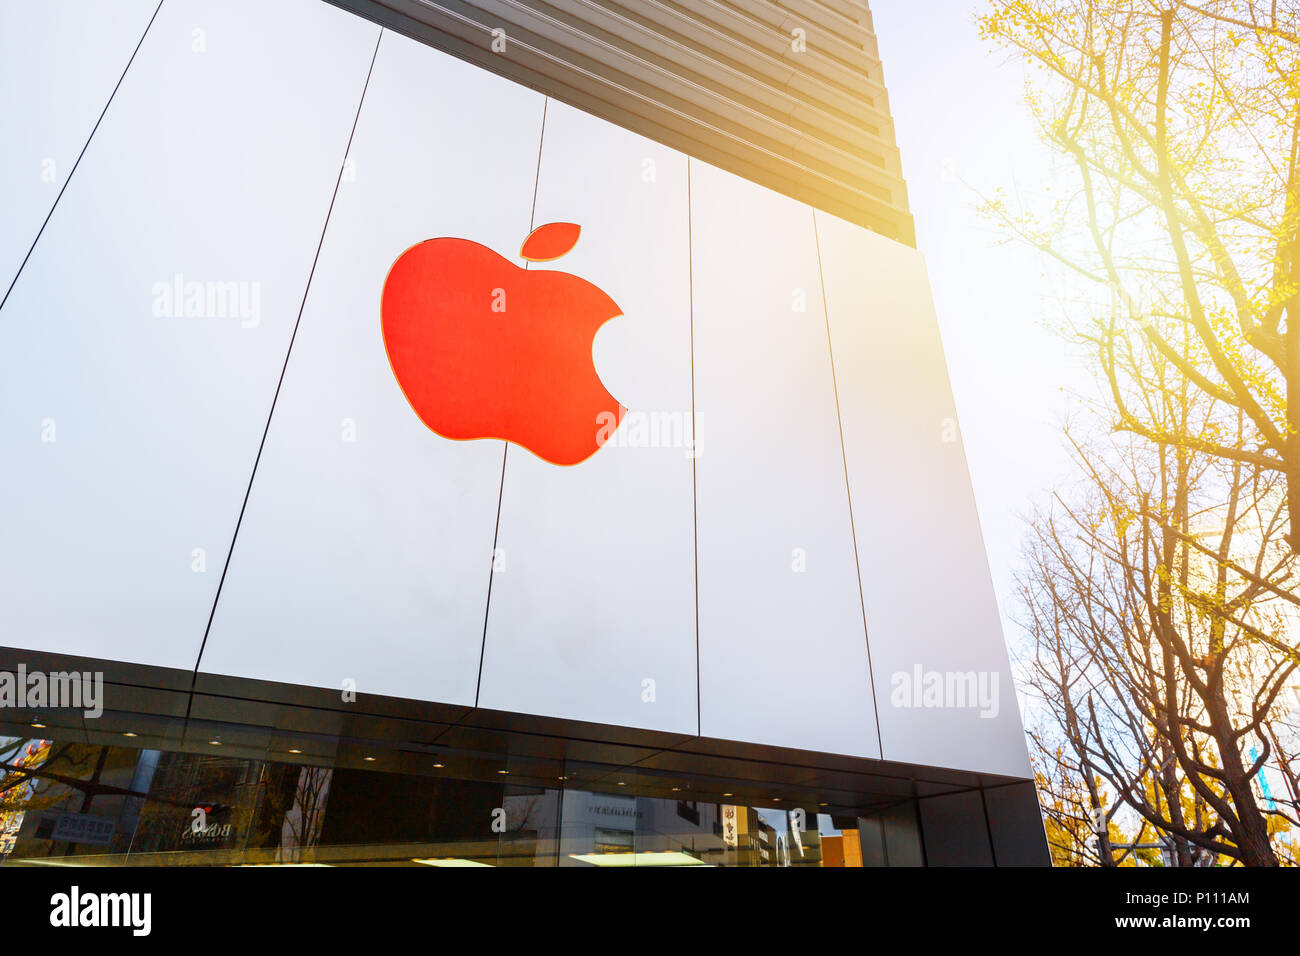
(550, 241)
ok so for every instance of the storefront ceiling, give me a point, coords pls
(259, 720)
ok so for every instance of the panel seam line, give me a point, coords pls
(695, 491)
(280, 383)
(505, 450)
(84, 146)
(848, 491)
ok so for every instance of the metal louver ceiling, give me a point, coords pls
(719, 81)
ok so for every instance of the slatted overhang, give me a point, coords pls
(719, 81)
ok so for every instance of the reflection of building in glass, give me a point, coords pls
(125, 805)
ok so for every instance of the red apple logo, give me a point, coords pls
(483, 348)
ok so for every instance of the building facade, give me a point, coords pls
(496, 433)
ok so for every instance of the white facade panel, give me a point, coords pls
(365, 548)
(931, 615)
(783, 653)
(777, 542)
(593, 603)
(130, 416)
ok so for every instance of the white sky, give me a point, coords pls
(964, 130)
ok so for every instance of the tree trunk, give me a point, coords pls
(1251, 833)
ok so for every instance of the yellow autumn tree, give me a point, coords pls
(1178, 125)
(1177, 213)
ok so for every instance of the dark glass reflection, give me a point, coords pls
(83, 803)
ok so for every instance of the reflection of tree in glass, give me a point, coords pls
(302, 821)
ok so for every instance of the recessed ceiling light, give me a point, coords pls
(675, 789)
(128, 734)
(438, 766)
(728, 794)
(295, 750)
(503, 772)
(368, 758)
(823, 804)
(37, 724)
(215, 742)
(622, 784)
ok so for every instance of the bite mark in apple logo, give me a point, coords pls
(483, 348)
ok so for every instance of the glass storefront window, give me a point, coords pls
(77, 803)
